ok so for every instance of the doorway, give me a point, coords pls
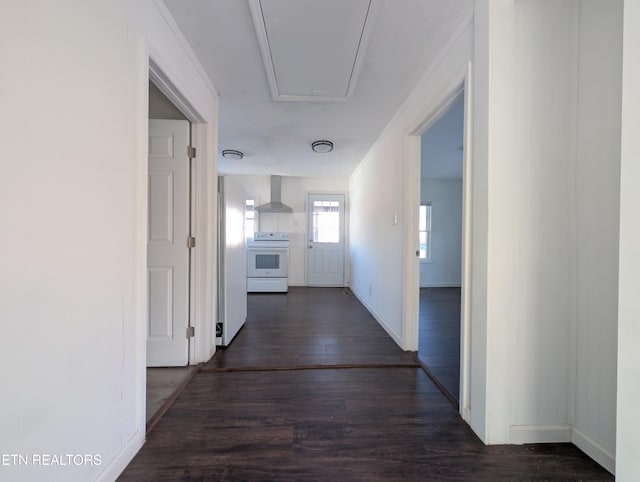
(440, 236)
(459, 91)
(168, 254)
(325, 250)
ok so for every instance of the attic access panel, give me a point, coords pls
(312, 50)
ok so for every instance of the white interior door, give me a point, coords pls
(325, 253)
(167, 249)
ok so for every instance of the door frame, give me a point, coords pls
(197, 203)
(159, 48)
(460, 84)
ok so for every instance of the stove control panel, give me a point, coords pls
(267, 236)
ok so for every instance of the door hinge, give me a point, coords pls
(191, 152)
(191, 242)
(191, 331)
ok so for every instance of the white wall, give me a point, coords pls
(628, 421)
(377, 190)
(597, 181)
(294, 194)
(73, 247)
(445, 196)
(538, 154)
(552, 150)
(530, 123)
(488, 15)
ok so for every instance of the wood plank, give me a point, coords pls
(238, 422)
(439, 338)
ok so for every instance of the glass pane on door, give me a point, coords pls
(326, 222)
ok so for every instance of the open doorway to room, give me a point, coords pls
(434, 194)
(440, 237)
(168, 254)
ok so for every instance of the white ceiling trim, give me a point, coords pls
(267, 57)
(184, 44)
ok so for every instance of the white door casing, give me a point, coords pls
(167, 250)
(325, 248)
(411, 278)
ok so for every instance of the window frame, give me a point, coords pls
(247, 232)
(428, 258)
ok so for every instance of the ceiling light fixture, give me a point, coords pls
(232, 154)
(322, 146)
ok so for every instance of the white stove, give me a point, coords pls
(268, 263)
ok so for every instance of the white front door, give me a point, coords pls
(325, 253)
(167, 250)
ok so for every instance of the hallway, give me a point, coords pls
(307, 327)
(379, 417)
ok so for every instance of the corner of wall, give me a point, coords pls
(593, 449)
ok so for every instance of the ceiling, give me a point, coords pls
(335, 69)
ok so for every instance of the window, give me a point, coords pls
(250, 218)
(326, 222)
(424, 226)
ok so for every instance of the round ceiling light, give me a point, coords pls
(232, 154)
(322, 146)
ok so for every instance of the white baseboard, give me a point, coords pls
(528, 434)
(327, 286)
(441, 285)
(122, 459)
(380, 321)
(465, 413)
(531, 434)
(594, 450)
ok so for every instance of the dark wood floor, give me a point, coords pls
(309, 326)
(328, 424)
(439, 340)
